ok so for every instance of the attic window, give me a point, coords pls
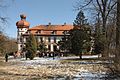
(65, 32)
(39, 31)
(53, 32)
(29, 31)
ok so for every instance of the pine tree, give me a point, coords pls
(77, 38)
(31, 46)
(79, 35)
(80, 20)
(42, 47)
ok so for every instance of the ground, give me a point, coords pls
(64, 68)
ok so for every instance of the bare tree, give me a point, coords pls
(3, 18)
(117, 54)
(118, 25)
(105, 10)
(7, 44)
(3, 21)
(102, 7)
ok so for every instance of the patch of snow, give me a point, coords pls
(90, 75)
(90, 56)
(40, 61)
(10, 57)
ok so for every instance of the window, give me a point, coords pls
(49, 47)
(54, 39)
(48, 39)
(39, 31)
(27, 32)
(55, 48)
(20, 39)
(18, 33)
(20, 45)
(17, 39)
(27, 39)
(53, 32)
(41, 39)
(65, 32)
(59, 38)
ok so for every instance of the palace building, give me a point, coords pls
(49, 34)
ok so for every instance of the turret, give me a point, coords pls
(22, 23)
(22, 27)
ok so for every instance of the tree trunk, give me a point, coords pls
(118, 27)
(80, 55)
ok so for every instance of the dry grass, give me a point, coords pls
(20, 71)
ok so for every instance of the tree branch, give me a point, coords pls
(99, 6)
(86, 4)
(111, 9)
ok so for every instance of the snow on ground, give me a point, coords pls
(85, 70)
(90, 56)
(36, 61)
(51, 61)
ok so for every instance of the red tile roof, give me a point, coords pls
(48, 29)
(52, 27)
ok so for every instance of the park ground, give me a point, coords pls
(64, 68)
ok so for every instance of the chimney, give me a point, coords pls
(65, 23)
(49, 23)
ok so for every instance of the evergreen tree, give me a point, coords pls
(80, 20)
(31, 46)
(79, 36)
(42, 47)
(99, 44)
(64, 44)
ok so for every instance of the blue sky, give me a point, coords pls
(40, 12)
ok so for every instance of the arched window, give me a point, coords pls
(20, 39)
(20, 45)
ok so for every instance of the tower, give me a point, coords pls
(22, 27)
